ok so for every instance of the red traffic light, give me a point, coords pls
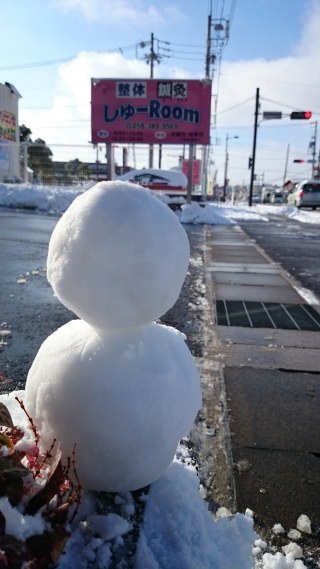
(301, 115)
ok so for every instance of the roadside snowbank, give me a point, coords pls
(58, 199)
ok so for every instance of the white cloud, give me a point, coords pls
(68, 122)
(121, 11)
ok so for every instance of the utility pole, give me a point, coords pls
(152, 55)
(314, 149)
(286, 166)
(254, 145)
(208, 54)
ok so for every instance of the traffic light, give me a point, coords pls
(301, 115)
(299, 161)
(250, 163)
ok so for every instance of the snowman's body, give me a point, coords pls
(120, 386)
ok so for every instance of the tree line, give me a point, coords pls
(41, 163)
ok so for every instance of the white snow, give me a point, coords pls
(174, 509)
(50, 198)
(277, 528)
(118, 257)
(293, 548)
(304, 523)
(131, 395)
(279, 561)
(19, 525)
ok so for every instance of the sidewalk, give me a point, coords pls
(257, 438)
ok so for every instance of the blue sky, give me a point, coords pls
(273, 45)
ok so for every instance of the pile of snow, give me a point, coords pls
(43, 198)
(218, 214)
(58, 199)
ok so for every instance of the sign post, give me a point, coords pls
(190, 168)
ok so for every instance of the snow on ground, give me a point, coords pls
(177, 530)
(58, 199)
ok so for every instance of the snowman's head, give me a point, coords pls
(118, 256)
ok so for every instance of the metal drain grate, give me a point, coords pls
(267, 315)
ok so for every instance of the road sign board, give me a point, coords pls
(153, 111)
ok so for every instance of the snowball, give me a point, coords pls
(293, 548)
(125, 398)
(118, 256)
(304, 523)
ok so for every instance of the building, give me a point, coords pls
(9, 133)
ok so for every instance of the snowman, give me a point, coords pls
(122, 387)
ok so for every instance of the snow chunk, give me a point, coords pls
(304, 523)
(277, 528)
(109, 526)
(293, 548)
(126, 415)
(294, 534)
(255, 551)
(260, 543)
(223, 513)
(279, 561)
(19, 525)
(118, 256)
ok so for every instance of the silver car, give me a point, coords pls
(305, 194)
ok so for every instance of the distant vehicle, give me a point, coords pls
(9, 180)
(169, 182)
(276, 198)
(256, 198)
(305, 194)
(266, 193)
(13, 180)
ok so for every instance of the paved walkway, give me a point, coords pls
(258, 436)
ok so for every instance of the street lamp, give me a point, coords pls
(226, 166)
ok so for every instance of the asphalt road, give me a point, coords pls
(28, 310)
(293, 244)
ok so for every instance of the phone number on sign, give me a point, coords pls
(151, 125)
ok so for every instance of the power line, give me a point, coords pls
(235, 106)
(62, 60)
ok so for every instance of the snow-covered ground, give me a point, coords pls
(178, 531)
(58, 199)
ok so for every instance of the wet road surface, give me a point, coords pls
(29, 310)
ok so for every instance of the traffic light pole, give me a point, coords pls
(254, 146)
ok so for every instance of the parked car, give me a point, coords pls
(305, 194)
(170, 182)
(276, 198)
(256, 198)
